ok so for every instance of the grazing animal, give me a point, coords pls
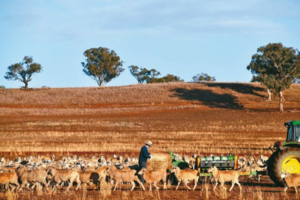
(121, 176)
(186, 175)
(154, 176)
(34, 177)
(291, 180)
(8, 179)
(225, 176)
(89, 178)
(59, 176)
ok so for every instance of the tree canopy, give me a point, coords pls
(102, 65)
(203, 77)
(23, 71)
(276, 67)
(169, 78)
(144, 75)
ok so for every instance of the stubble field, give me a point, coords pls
(186, 118)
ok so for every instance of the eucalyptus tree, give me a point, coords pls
(102, 65)
(203, 77)
(277, 67)
(23, 71)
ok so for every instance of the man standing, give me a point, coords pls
(144, 155)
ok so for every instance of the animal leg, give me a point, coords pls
(27, 186)
(286, 189)
(222, 184)
(196, 181)
(178, 184)
(216, 185)
(165, 185)
(78, 183)
(239, 186)
(155, 185)
(150, 186)
(58, 181)
(231, 186)
(22, 185)
(133, 185)
(70, 184)
(17, 185)
(296, 190)
(117, 182)
(45, 184)
(12, 187)
(139, 182)
(34, 185)
(185, 182)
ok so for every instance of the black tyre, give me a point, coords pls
(287, 160)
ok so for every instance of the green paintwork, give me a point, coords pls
(289, 144)
(292, 123)
(216, 157)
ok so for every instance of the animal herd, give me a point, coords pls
(48, 172)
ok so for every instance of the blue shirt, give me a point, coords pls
(144, 154)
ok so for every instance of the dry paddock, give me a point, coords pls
(187, 118)
(252, 189)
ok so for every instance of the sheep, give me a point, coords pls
(8, 178)
(123, 176)
(225, 176)
(241, 163)
(186, 175)
(59, 176)
(154, 176)
(291, 180)
(31, 176)
(89, 177)
(262, 161)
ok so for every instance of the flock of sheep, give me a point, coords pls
(46, 171)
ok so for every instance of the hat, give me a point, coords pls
(149, 143)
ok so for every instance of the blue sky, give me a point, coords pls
(183, 37)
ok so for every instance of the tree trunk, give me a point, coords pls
(269, 94)
(280, 102)
(26, 85)
(101, 83)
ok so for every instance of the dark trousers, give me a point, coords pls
(142, 164)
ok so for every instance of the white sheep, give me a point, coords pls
(154, 176)
(291, 180)
(186, 175)
(121, 176)
(225, 176)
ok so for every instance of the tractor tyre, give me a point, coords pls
(287, 160)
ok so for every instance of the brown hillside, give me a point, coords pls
(198, 118)
(219, 95)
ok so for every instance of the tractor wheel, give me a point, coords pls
(287, 160)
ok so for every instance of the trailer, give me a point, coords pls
(203, 163)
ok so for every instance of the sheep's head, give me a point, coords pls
(212, 169)
(143, 170)
(283, 175)
(174, 169)
(21, 169)
(51, 171)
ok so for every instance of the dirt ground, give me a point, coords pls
(185, 118)
(251, 189)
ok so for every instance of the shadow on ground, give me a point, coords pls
(208, 98)
(240, 88)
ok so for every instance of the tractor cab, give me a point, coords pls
(293, 131)
(292, 136)
(286, 157)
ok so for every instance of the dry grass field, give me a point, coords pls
(202, 118)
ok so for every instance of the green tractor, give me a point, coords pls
(286, 157)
